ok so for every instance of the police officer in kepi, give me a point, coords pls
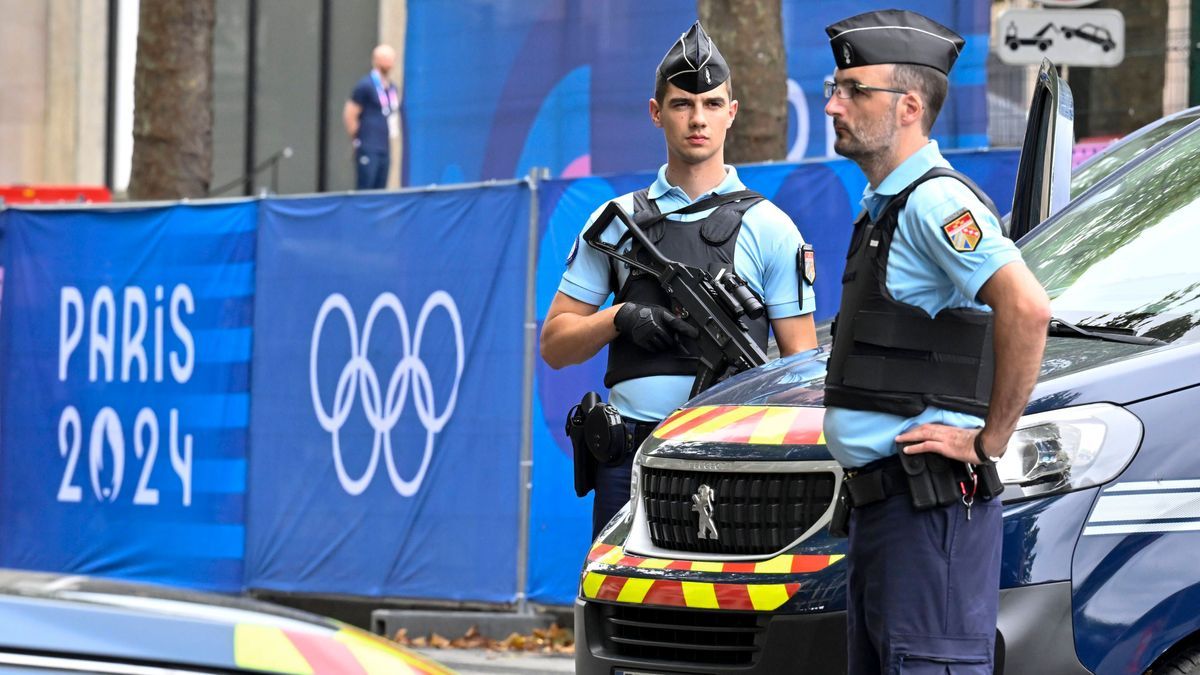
(937, 346)
(650, 369)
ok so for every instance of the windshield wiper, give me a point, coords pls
(1060, 328)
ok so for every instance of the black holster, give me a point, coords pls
(934, 480)
(598, 436)
(585, 463)
(930, 479)
(990, 485)
(839, 523)
(606, 435)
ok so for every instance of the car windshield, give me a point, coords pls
(1093, 172)
(1124, 257)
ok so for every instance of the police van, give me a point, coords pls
(1101, 563)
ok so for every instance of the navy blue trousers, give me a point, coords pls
(612, 492)
(613, 485)
(923, 588)
(371, 169)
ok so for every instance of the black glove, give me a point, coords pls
(651, 327)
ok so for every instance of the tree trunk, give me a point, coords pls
(1116, 101)
(172, 111)
(749, 34)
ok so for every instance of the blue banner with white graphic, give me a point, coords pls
(565, 85)
(963, 121)
(821, 197)
(378, 451)
(387, 394)
(126, 363)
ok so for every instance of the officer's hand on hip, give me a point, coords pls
(952, 442)
(651, 327)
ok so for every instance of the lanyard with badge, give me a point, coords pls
(388, 104)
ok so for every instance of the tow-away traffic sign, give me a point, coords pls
(1068, 37)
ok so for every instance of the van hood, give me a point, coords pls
(737, 412)
(1074, 371)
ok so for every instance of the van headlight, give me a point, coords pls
(1069, 449)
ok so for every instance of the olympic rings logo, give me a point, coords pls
(383, 408)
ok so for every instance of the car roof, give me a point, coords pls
(1192, 114)
(139, 623)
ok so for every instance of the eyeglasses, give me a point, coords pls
(847, 90)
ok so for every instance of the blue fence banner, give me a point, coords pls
(320, 394)
(387, 394)
(565, 85)
(126, 363)
(821, 197)
(963, 121)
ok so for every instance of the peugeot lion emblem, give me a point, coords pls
(702, 504)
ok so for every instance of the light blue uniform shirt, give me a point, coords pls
(923, 270)
(764, 256)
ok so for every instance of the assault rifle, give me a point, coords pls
(714, 305)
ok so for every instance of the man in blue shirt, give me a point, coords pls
(647, 376)
(937, 346)
(372, 118)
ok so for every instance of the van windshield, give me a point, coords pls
(1124, 258)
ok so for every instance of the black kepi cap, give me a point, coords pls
(894, 36)
(693, 63)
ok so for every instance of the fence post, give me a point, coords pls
(525, 491)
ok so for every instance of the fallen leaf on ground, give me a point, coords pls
(551, 640)
(438, 641)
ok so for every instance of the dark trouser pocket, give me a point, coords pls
(936, 665)
(941, 655)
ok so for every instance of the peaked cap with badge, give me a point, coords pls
(693, 63)
(894, 36)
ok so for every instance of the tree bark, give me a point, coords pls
(749, 34)
(173, 117)
(1116, 101)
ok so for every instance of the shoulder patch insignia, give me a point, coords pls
(573, 253)
(808, 263)
(963, 232)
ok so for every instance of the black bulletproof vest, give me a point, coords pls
(711, 251)
(891, 357)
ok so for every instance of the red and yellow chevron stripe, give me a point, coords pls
(756, 424)
(762, 597)
(345, 652)
(693, 594)
(614, 556)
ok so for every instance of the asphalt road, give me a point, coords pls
(484, 662)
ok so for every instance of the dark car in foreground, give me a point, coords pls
(56, 624)
(1102, 500)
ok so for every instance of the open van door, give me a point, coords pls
(1044, 171)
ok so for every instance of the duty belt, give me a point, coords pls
(928, 478)
(639, 429)
(876, 481)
